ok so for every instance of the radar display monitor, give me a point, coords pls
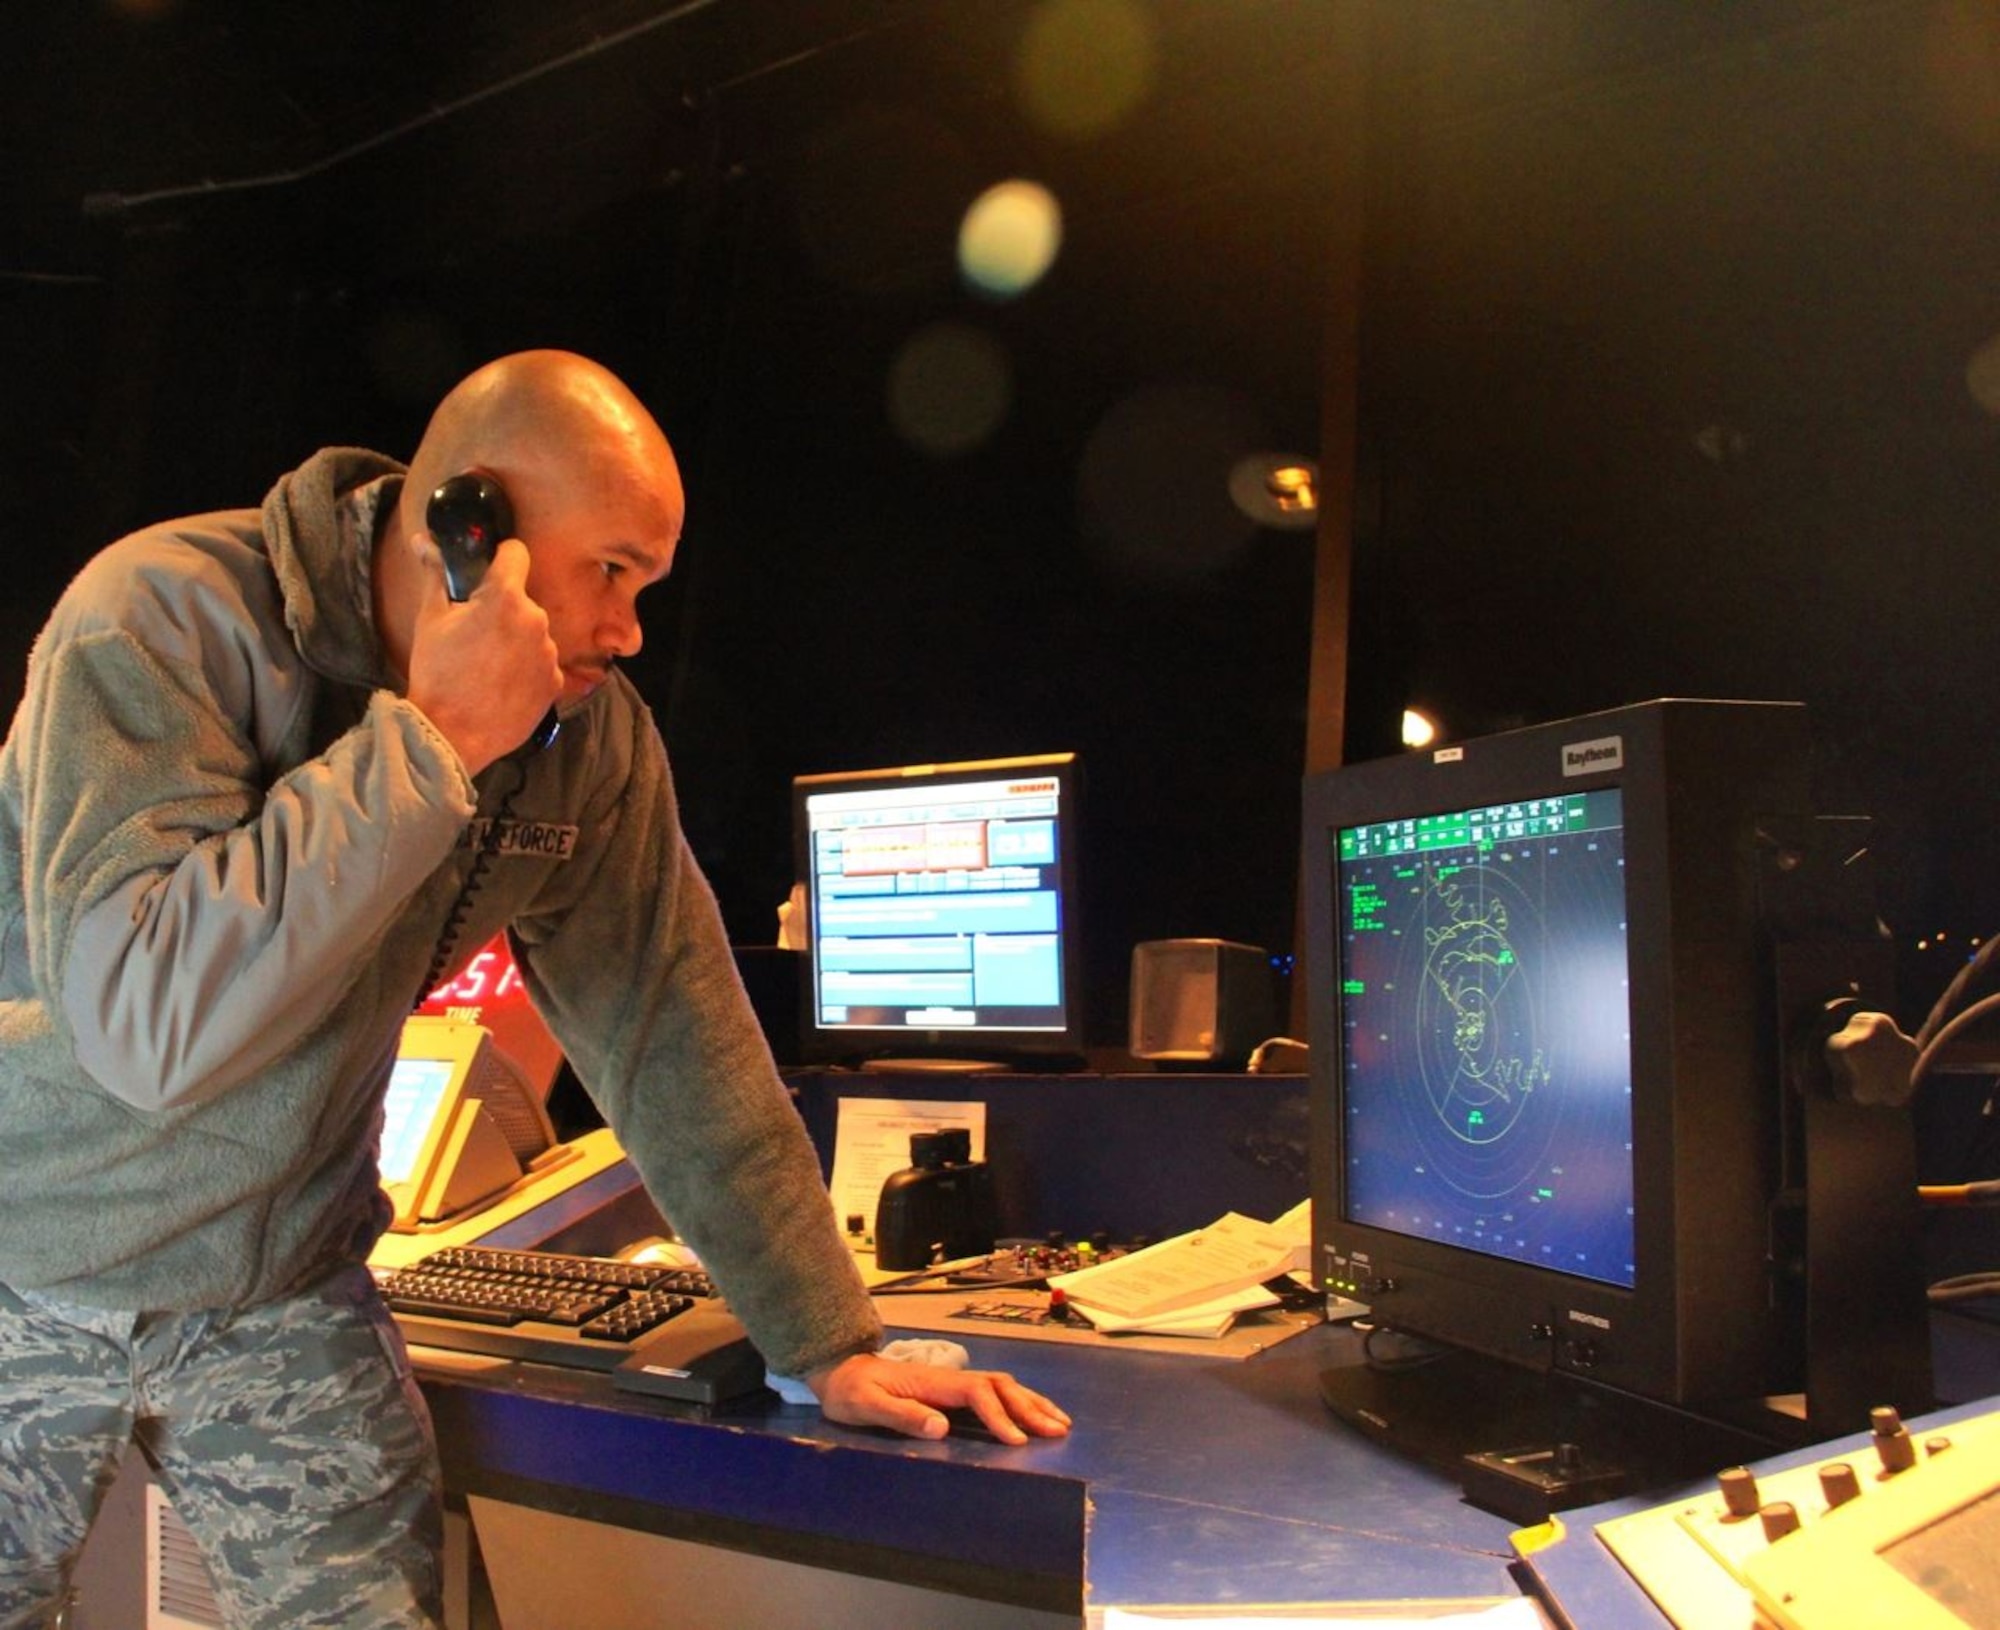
(941, 913)
(1486, 1031)
(1550, 1128)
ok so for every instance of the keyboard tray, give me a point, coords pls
(700, 1355)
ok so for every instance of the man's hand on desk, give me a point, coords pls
(869, 1390)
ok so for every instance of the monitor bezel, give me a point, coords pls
(455, 1045)
(863, 1044)
(1695, 779)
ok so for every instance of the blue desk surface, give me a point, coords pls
(1185, 1480)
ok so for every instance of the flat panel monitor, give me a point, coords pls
(1545, 1074)
(461, 1125)
(941, 913)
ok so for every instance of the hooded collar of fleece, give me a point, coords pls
(321, 536)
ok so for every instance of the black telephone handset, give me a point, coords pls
(468, 517)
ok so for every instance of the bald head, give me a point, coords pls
(544, 413)
(594, 488)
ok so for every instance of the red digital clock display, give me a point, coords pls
(491, 976)
(489, 990)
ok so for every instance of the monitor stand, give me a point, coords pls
(1527, 1443)
(935, 1066)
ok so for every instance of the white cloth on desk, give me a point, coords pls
(946, 1355)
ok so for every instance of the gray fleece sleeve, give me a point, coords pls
(637, 979)
(172, 874)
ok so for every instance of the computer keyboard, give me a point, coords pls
(655, 1329)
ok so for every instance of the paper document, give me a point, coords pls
(872, 1143)
(1297, 1226)
(1212, 1319)
(1232, 1254)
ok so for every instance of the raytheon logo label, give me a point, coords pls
(1588, 757)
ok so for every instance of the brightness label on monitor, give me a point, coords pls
(1485, 1020)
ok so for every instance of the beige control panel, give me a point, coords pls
(1903, 1531)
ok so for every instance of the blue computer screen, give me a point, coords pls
(416, 1088)
(938, 906)
(1486, 1100)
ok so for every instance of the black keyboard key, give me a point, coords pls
(470, 1312)
(633, 1318)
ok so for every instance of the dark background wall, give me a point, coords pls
(1672, 380)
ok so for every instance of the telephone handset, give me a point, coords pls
(468, 516)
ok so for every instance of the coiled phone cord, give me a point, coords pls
(461, 906)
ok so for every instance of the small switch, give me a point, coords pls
(1839, 1484)
(1892, 1441)
(1780, 1517)
(1739, 1491)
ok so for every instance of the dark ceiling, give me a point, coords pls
(177, 96)
(138, 109)
(1669, 385)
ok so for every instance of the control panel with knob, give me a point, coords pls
(1895, 1529)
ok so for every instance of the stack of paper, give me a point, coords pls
(1192, 1285)
(1297, 1227)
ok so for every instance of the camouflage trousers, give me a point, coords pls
(290, 1438)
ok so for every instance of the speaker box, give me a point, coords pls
(1200, 1002)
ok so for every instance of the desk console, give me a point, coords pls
(1900, 1529)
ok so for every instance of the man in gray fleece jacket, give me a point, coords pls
(250, 774)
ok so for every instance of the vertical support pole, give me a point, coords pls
(1340, 370)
